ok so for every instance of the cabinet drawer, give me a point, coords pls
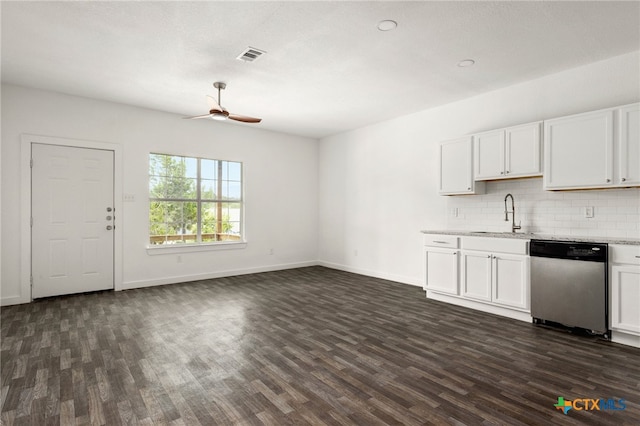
(619, 253)
(502, 245)
(445, 241)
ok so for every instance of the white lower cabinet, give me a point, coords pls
(498, 278)
(493, 275)
(511, 280)
(442, 270)
(624, 284)
(441, 262)
(488, 274)
(625, 298)
(476, 275)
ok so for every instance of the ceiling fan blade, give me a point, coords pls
(213, 105)
(197, 116)
(244, 118)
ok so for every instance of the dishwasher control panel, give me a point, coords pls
(592, 252)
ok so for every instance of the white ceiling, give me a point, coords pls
(328, 68)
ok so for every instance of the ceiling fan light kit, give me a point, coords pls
(218, 113)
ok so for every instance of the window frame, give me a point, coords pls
(198, 244)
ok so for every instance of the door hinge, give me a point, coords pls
(31, 163)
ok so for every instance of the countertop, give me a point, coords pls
(535, 236)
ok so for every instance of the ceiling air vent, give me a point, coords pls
(250, 54)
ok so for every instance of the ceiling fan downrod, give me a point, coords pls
(220, 86)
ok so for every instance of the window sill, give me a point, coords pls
(192, 248)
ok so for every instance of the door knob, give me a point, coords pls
(108, 217)
(109, 209)
(109, 227)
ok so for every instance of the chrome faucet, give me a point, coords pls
(514, 227)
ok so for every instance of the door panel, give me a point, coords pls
(489, 155)
(442, 271)
(510, 280)
(522, 150)
(72, 249)
(578, 151)
(629, 145)
(476, 275)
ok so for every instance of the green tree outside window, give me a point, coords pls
(194, 200)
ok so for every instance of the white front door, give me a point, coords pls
(72, 220)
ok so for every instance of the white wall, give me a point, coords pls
(378, 185)
(281, 178)
(355, 201)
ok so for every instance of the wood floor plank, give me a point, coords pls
(306, 346)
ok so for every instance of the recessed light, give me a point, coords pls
(387, 25)
(466, 63)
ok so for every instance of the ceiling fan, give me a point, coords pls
(219, 113)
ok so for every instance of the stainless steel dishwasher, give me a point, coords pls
(569, 285)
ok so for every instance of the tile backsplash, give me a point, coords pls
(616, 212)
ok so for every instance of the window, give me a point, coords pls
(194, 200)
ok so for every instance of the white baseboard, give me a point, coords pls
(625, 339)
(370, 273)
(492, 309)
(128, 285)
(13, 300)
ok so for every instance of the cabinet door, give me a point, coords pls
(522, 150)
(442, 270)
(625, 298)
(578, 151)
(629, 145)
(456, 167)
(476, 275)
(488, 154)
(511, 280)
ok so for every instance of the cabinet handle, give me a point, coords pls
(638, 257)
(623, 179)
(455, 253)
(488, 256)
(508, 172)
(608, 180)
(501, 173)
(469, 189)
(439, 242)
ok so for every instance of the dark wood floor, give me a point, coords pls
(306, 346)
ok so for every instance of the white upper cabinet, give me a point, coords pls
(508, 153)
(456, 168)
(523, 156)
(578, 151)
(628, 172)
(489, 155)
(599, 149)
